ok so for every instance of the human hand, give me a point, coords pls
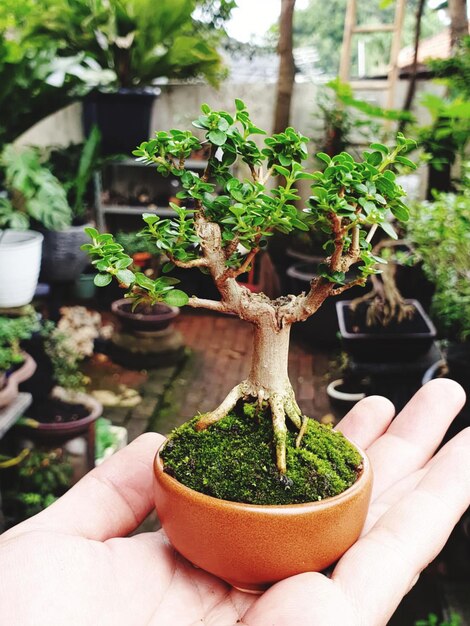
(73, 564)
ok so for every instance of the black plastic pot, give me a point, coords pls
(62, 258)
(406, 341)
(123, 117)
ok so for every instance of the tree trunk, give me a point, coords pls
(286, 67)
(268, 374)
(414, 68)
(458, 21)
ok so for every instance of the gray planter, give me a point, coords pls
(62, 259)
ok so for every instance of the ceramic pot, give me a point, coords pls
(63, 260)
(9, 389)
(160, 318)
(253, 546)
(63, 431)
(20, 260)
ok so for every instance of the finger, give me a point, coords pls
(414, 435)
(393, 495)
(111, 500)
(387, 560)
(367, 420)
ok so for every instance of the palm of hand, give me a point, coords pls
(77, 567)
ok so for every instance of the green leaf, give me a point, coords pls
(126, 277)
(323, 157)
(91, 232)
(176, 297)
(101, 280)
(401, 212)
(380, 147)
(404, 161)
(167, 267)
(239, 104)
(388, 228)
(217, 137)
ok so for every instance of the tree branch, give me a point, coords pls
(335, 258)
(200, 262)
(211, 305)
(246, 264)
(359, 281)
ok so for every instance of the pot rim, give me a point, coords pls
(31, 238)
(430, 333)
(170, 314)
(263, 509)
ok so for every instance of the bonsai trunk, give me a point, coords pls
(268, 382)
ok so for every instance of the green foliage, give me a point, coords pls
(455, 71)
(105, 438)
(34, 192)
(135, 242)
(74, 167)
(233, 460)
(65, 360)
(433, 620)
(12, 332)
(139, 40)
(35, 82)
(440, 231)
(362, 194)
(358, 193)
(448, 134)
(41, 478)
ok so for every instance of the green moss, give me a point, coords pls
(235, 460)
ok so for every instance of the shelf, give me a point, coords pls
(137, 210)
(10, 414)
(196, 164)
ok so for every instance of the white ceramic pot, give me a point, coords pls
(20, 262)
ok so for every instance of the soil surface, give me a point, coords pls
(52, 411)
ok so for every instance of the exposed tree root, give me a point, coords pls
(282, 405)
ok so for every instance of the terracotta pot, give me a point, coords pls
(253, 546)
(9, 391)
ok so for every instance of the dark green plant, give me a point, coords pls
(12, 332)
(140, 40)
(34, 193)
(135, 242)
(74, 167)
(433, 620)
(222, 233)
(444, 139)
(41, 478)
(35, 81)
(440, 233)
(454, 72)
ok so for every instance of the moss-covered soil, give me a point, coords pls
(235, 460)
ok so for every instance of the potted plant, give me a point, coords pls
(16, 366)
(61, 408)
(140, 41)
(218, 476)
(383, 326)
(32, 481)
(440, 233)
(38, 197)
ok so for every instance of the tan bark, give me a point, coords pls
(458, 21)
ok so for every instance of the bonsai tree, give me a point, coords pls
(222, 234)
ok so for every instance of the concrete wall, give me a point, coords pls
(179, 104)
